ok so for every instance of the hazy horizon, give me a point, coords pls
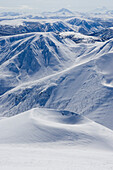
(49, 5)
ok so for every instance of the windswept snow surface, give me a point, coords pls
(42, 125)
(63, 157)
(47, 139)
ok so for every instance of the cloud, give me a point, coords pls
(24, 7)
(21, 8)
(2, 7)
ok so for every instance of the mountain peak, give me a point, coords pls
(65, 10)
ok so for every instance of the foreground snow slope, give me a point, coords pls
(50, 139)
(42, 125)
(43, 157)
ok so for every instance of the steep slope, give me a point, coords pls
(104, 34)
(85, 26)
(20, 26)
(93, 26)
(31, 56)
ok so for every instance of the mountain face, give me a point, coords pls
(28, 27)
(32, 55)
(104, 34)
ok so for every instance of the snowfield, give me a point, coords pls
(47, 139)
(43, 157)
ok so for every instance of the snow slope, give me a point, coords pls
(47, 139)
(43, 125)
(41, 157)
(34, 54)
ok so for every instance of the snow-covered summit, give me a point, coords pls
(64, 11)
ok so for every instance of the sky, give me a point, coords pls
(53, 5)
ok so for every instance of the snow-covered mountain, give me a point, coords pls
(59, 21)
(56, 85)
(62, 13)
(34, 55)
(102, 11)
(13, 14)
(49, 70)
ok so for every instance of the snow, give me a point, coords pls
(47, 139)
(43, 157)
(75, 35)
(105, 67)
(72, 70)
(56, 92)
(14, 22)
(44, 125)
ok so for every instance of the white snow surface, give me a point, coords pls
(15, 22)
(43, 125)
(51, 139)
(43, 157)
